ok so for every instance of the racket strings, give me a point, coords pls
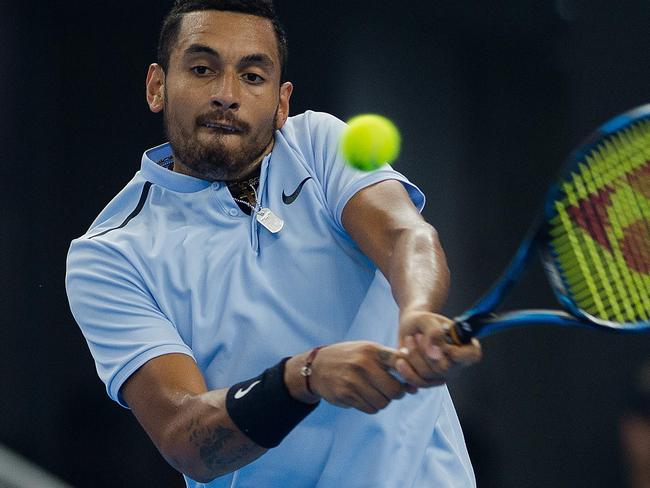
(639, 180)
(600, 235)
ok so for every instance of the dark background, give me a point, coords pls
(490, 97)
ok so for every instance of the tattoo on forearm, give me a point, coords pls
(219, 447)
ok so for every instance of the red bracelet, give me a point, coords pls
(306, 369)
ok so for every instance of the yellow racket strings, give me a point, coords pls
(600, 236)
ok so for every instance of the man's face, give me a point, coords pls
(221, 95)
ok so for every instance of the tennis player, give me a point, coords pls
(269, 314)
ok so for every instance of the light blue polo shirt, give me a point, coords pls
(172, 265)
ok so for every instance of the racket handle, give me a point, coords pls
(460, 333)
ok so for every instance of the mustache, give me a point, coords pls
(224, 118)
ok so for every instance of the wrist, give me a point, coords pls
(295, 381)
(415, 308)
(253, 402)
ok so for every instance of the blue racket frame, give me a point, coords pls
(479, 321)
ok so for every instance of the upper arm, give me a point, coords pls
(117, 313)
(376, 216)
(388, 228)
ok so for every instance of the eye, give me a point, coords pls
(201, 70)
(253, 78)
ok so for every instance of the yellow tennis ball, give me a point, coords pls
(370, 141)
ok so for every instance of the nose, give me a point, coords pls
(225, 93)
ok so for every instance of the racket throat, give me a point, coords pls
(467, 326)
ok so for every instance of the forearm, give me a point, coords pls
(389, 230)
(214, 433)
(212, 443)
(203, 442)
(206, 434)
(417, 269)
(385, 224)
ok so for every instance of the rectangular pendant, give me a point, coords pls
(269, 220)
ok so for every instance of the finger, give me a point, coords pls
(412, 378)
(370, 399)
(437, 358)
(414, 367)
(429, 369)
(365, 407)
(466, 354)
(416, 359)
(357, 402)
(407, 388)
(432, 351)
(435, 337)
(386, 383)
(387, 357)
(351, 399)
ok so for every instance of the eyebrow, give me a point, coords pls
(201, 49)
(258, 59)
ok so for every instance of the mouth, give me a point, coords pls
(222, 127)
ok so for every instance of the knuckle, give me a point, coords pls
(397, 392)
(346, 397)
(416, 381)
(371, 410)
(438, 334)
(366, 349)
(411, 378)
(347, 379)
(429, 377)
(356, 356)
(367, 363)
(357, 367)
(436, 374)
(415, 363)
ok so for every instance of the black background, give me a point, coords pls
(490, 97)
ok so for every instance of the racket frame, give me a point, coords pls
(480, 320)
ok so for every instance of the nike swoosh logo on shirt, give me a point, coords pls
(289, 199)
(242, 393)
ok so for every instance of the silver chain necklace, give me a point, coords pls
(263, 215)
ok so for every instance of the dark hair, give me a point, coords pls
(260, 8)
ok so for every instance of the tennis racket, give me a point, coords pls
(592, 236)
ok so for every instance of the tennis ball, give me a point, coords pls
(370, 141)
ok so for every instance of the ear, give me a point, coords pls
(283, 105)
(155, 88)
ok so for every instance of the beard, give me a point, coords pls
(213, 160)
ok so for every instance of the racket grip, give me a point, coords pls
(460, 333)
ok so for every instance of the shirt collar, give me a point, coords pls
(151, 170)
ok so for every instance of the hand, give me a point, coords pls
(349, 374)
(430, 360)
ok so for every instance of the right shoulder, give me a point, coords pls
(120, 208)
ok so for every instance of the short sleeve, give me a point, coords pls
(339, 180)
(118, 316)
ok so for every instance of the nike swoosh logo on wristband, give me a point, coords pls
(289, 199)
(242, 393)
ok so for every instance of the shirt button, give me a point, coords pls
(233, 212)
(216, 185)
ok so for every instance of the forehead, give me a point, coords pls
(232, 34)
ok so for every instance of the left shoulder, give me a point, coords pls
(313, 126)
